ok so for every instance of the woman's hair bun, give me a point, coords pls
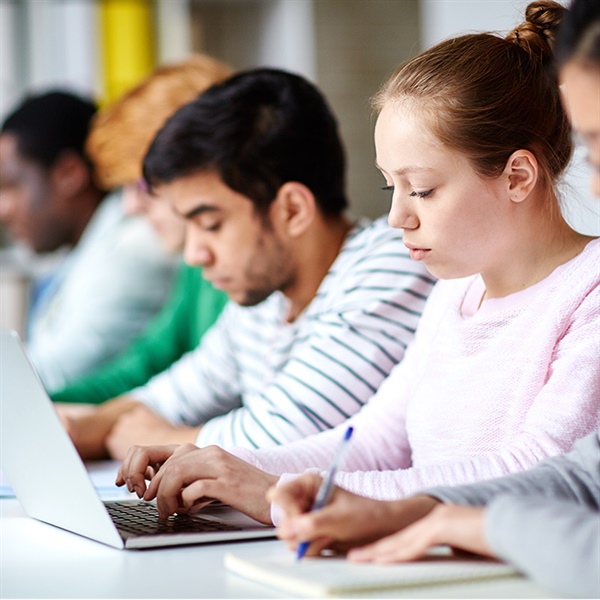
(536, 34)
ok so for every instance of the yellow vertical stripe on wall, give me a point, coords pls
(128, 52)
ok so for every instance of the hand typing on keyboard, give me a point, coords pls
(183, 478)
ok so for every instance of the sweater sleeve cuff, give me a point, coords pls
(276, 512)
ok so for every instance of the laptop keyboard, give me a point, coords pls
(142, 519)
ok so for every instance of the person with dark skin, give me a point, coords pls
(115, 275)
(47, 194)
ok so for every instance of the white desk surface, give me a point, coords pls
(41, 561)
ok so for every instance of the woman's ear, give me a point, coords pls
(294, 208)
(521, 172)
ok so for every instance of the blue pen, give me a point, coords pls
(327, 485)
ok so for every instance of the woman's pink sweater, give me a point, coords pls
(481, 392)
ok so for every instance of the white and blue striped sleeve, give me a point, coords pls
(203, 383)
(349, 341)
(258, 382)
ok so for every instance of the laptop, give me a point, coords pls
(52, 483)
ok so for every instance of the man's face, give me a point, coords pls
(28, 206)
(240, 253)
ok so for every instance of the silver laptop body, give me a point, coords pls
(51, 481)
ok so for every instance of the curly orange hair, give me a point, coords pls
(121, 133)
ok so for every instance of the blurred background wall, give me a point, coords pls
(103, 47)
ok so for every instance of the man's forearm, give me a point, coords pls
(89, 432)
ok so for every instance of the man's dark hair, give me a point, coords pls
(45, 125)
(578, 36)
(257, 130)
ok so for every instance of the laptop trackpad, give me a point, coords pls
(222, 513)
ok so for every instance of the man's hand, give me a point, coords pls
(69, 414)
(184, 478)
(457, 526)
(89, 425)
(74, 411)
(346, 521)
(143, 426)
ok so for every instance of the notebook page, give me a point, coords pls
(333, 576)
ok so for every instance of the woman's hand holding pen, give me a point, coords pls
(347, 521)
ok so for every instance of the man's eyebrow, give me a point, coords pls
(199, 210)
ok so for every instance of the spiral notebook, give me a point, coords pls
(335, 576)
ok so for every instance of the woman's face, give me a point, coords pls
(453, 219)
(168, 226)
(580, 87)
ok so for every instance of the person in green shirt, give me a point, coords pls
(192, 308)
(117, 143)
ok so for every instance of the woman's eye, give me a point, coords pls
(213, 227)
(425, 194)
(388, 188)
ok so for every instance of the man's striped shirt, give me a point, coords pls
(257, 381)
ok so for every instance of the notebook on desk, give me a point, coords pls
(52, 484)
(334, 576)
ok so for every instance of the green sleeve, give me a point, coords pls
(191, 309)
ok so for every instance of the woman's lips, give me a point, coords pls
(418, 253)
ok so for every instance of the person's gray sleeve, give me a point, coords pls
(545, 521)
(555, 542)
(574, 477)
